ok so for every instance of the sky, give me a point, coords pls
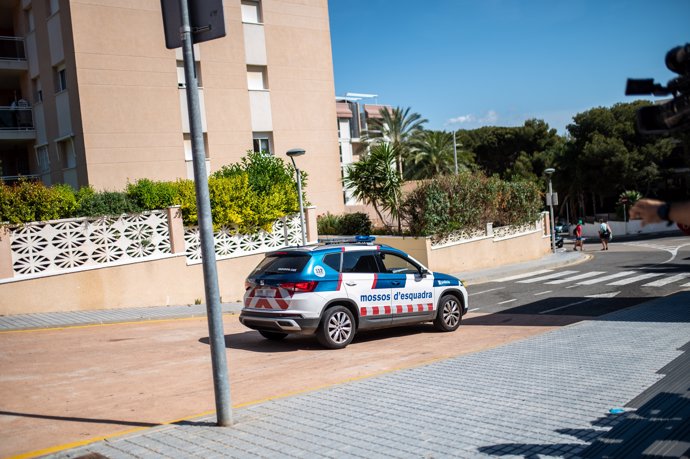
(464, 64)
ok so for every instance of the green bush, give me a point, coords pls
(150, 195)
(93, 204)
(469, 201)
(28, 201)
(328, 224)
(355, 223)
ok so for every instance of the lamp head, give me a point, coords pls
(549, 171)
(295, 152)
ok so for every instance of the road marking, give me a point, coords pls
(548, 276)
(507, 301)
(630, 280)
(668, 280)
(486, 291)
(606, 278)
(566, 306)
(578, 277)
(522, 276)
(543, 293)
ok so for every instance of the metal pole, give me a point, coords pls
(625, 220)
(301, 204)
(553, 232)
(208, 253)
(455, 154)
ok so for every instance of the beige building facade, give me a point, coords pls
(107, 104)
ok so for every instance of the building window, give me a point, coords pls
(251, 12)
(181, 77)
(256, 78)
(53, 6)
(263, 142)
(189, 161)
(60, 79)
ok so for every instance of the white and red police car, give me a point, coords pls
(335, 290)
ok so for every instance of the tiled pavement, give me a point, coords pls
(549, 395)
(104, 316)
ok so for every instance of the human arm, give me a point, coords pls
(648, 211)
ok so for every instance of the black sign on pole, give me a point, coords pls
(206, 20)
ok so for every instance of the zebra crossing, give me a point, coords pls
(550, 277)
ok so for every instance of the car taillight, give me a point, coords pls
(299, 287)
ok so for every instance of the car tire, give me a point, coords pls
(273, 336)
(337, 328)
(449, 314)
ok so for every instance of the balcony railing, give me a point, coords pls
(16, 118)
(12, 48)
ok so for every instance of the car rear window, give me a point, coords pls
(282, 264)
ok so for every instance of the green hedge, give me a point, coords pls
(468, 201)
(357, 223)
(245, 196)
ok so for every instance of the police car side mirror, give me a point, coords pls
(425, 272)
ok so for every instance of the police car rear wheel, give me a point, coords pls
(337, 328)
(273, 336)
(449, 314)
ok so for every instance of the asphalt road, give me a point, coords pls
(629, 273)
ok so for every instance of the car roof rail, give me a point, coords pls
(364, 240)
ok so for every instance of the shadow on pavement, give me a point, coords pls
(73, 419)
(657, 424)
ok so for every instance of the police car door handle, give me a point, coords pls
(350, 284)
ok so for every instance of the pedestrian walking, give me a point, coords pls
(605, 234)
(578, 237)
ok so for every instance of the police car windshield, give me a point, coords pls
(282, 264)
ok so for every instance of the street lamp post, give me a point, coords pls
(292, 153)
(550, 172)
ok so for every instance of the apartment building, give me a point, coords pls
(354, 118)
(89, 94)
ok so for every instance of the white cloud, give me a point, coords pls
(490, 117)
(461, 119)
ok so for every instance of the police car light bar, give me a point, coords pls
(349, 240)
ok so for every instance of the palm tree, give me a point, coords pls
(431, 155)
(374, 181)
(397, 127)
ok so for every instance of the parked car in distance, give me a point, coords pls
(562, 227)
(335, 290)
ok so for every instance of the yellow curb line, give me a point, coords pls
(66, 446)
(108, 324)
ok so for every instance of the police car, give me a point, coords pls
(335, 290)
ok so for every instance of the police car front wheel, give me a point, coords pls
(449, 314)
(337, 328)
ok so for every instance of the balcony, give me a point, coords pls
(13, 54)
(17, 123)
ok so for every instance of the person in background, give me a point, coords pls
(578, 237)
(604, 234)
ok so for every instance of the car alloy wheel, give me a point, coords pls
(449, 314)
(337, 329)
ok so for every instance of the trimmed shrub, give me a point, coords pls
(354, 224)
(150, 195)
(93, 204)
(469, 201)
(27, 201)
(328, 224)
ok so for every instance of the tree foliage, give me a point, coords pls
(374, 180)
(397, 127)
(431, 155)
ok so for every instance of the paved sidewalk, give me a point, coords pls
(547, 396)
(103, 316)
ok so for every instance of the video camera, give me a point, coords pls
(671, 116)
